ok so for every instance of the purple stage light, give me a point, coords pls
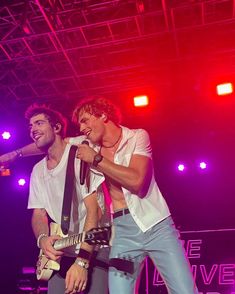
(181, 167)
(21, 182)
(202, 165)
(6, 135)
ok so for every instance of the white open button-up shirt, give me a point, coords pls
(149, 208)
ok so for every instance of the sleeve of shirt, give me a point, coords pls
(96, 179)
(35, 195)
(143, 146)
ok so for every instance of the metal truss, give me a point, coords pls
(61, 50)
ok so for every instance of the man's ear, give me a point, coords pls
(104, 117)
(57, 128)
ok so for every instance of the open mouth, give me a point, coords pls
(36, 137)
(87, 134)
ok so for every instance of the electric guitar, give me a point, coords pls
(45, 266)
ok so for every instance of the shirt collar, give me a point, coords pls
(126, 135)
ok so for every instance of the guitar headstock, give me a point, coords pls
(98, 236)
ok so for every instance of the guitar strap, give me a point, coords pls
(68, 191)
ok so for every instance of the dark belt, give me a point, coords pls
(121, 212)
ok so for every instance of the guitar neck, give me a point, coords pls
(69, 241)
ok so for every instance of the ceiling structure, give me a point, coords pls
(60, 50)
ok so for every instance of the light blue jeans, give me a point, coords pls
(162, 244)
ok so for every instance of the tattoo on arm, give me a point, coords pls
(40, 222)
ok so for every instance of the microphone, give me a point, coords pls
(83, 167)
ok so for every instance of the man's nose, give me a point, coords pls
(33, 130)
(82, 128)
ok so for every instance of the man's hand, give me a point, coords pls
(76, 279)
(46, 244)
(85, 153)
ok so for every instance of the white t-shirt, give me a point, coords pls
(47, 191)
(150, 207)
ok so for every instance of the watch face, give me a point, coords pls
(98, 157)
(82, 264)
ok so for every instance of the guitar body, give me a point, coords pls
(45, 266)
(96, 236)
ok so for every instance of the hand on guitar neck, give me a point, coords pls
(46, 245)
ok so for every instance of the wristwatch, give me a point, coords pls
(82, 263)
(97, 159)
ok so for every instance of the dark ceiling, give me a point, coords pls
(57, 51)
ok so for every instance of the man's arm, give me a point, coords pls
(135, 178)
(41, 232)
(92, 212)
(77, 274)
(27, 150)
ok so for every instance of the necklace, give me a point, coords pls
(119, 137)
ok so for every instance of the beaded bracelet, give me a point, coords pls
(39, 239)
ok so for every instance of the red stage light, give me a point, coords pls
(4, 172)
(140, 101)
(224, 89)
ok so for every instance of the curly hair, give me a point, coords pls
(54, 117)
(97, 105)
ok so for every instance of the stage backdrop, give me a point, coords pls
(212, 257)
